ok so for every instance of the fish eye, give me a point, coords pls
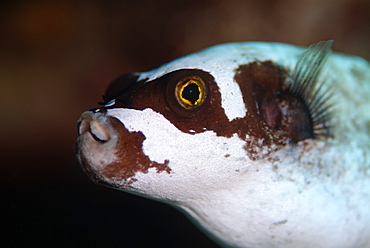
(190, 92)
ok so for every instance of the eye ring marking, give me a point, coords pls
(191, 92)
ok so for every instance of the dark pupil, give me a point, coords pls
(191, 93)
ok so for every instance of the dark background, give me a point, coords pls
(57, 57)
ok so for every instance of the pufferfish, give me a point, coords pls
(260, 144)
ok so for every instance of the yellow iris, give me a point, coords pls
(190, 93)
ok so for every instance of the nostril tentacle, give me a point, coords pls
(83, 126)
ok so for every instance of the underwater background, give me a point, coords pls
(56, 60)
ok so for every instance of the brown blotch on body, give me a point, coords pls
(130, 156)
(259, 82)
(266, 93)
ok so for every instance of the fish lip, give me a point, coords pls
(95, 122)
(98, 130)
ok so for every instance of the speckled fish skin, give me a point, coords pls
(245, 183)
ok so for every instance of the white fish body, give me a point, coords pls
(231, 161)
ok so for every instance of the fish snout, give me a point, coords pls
(97, 142)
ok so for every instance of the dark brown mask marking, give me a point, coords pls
(159, 95)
